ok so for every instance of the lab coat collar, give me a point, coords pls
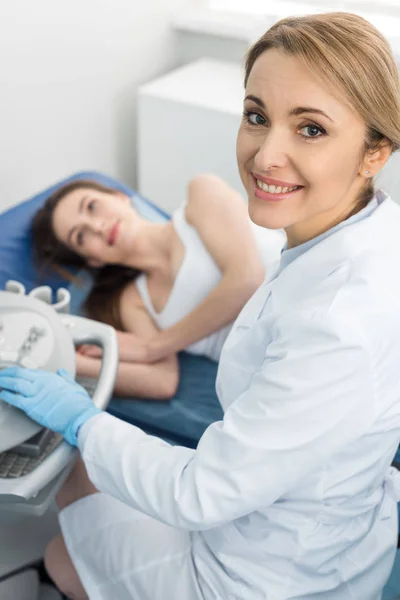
(376, 234)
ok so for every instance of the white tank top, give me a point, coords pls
(198, 275)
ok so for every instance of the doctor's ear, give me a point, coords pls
(375, 158)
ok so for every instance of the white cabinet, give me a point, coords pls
(188, 122)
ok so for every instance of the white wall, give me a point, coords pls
(192, 45)
(69, 73)
(68, 78)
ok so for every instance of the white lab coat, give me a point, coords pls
(289, 496)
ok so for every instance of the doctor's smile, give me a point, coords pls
(271, 189)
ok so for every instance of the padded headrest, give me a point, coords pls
(16, 260)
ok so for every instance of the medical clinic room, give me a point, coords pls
(200, 300)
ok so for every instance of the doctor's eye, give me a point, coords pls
(312, 131)
(91, 205)
(253, 118)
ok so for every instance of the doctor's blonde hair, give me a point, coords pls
(351, 57)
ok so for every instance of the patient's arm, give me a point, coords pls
(125, 342)
(220, 216)
(156, 381)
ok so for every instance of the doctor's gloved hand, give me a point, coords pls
(53, 400)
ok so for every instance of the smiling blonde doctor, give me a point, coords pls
(291, 495)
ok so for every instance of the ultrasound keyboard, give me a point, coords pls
(24, 458)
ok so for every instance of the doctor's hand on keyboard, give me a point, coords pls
(55, 401)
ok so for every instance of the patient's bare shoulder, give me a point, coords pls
(211, 199)
(130, 296)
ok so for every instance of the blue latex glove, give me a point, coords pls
(54, 400)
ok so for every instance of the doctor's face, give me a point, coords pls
(97, 225)
(299, 149)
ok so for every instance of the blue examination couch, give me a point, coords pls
(181, 420)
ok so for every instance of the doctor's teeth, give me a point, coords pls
(275, 189)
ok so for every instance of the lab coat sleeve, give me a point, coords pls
(313, 395)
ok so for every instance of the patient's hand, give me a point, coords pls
(90, 350)
(81, 364)
(132, 348)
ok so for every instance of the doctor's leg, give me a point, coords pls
(60, 568)
(76, 486)
(57, 561)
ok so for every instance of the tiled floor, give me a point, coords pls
(48, 592)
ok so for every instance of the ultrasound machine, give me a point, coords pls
(34, 461)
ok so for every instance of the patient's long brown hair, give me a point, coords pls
(50, 254)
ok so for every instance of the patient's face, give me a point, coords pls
(98, 226)
(295, 132)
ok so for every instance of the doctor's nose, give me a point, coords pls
(271, 153)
